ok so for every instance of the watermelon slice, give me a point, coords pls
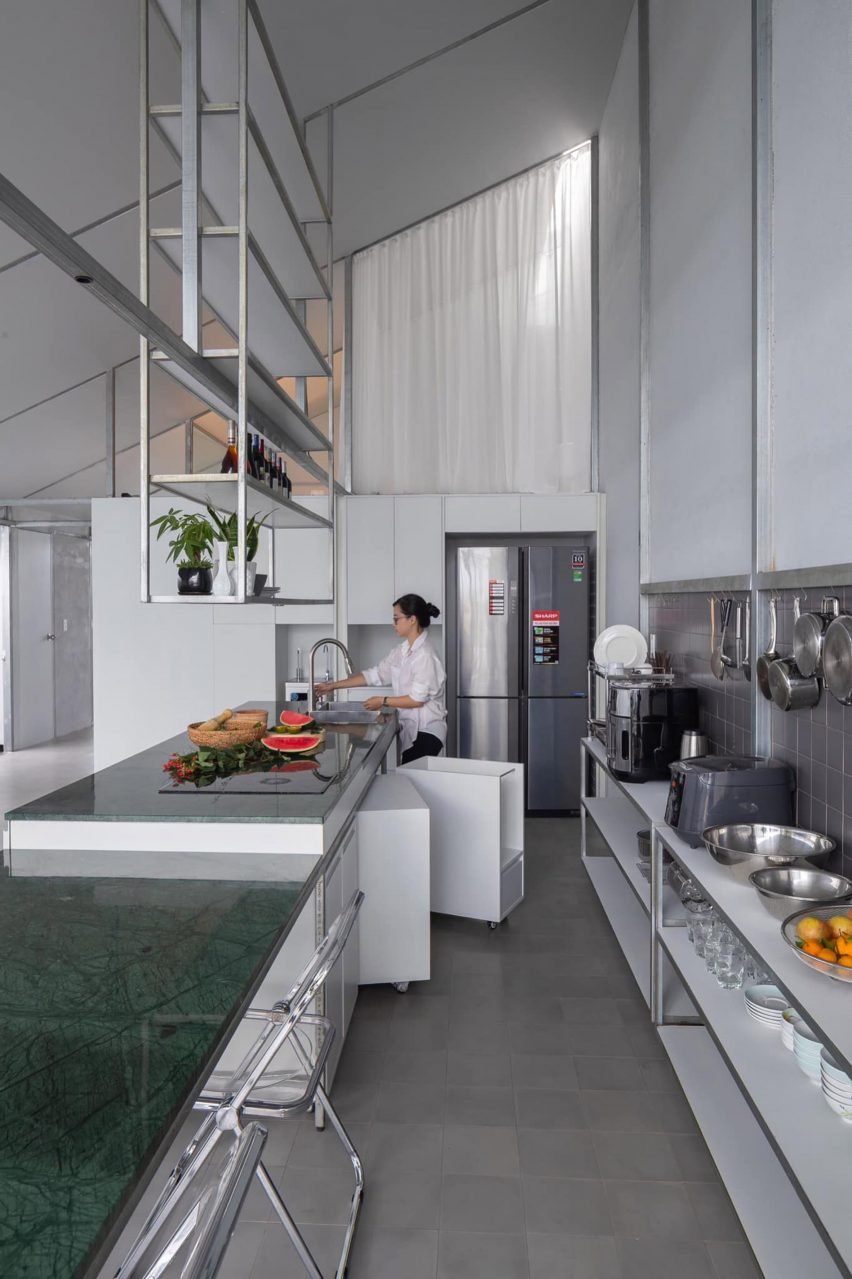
(292, 744)
(296, 766)
(295, 722)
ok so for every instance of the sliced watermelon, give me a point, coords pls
(293, 745)
(296, 766)
(295, 722)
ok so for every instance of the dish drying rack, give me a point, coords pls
(597, 727)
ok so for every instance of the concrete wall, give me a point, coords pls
(618, 226)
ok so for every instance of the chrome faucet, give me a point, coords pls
(346, 659)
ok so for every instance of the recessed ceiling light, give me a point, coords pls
(83, 279)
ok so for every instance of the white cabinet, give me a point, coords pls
(559, 512)
(302, 568)
(418, 545)
(369, 560)
(483, 513)
(341, 986)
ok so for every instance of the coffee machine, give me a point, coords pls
(644, 723)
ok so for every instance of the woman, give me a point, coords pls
(414, 671)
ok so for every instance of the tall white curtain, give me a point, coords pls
(472, 343)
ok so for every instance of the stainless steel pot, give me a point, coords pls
(763, 663)
(789, 689)
(837, 659)
(809, 634)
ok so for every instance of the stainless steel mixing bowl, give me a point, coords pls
(744, 847)
(785, 889)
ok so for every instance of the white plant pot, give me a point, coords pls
(222, 581)
(251, 573)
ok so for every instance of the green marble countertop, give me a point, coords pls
(129, 791)
(115, 996)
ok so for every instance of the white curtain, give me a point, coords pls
(472, 343)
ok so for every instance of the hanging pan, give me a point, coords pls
(837, 659)
(766, 659)
(809, 633)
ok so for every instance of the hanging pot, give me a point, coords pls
(763, 663)
(791, 690)
(837, 659)
(809, 634)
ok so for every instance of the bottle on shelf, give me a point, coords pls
(273, 469)
(229, 461)
(255, 457)
(287, 483)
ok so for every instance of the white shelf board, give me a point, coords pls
(783, 1237)
(632, 931)
(650, 798)
(825, 1003)
(618, 822)
(221, 492)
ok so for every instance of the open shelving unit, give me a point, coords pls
(773, 1138)
(253, 210)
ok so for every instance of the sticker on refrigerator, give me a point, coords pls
(578, 559)
(496, 597)
(545, 628)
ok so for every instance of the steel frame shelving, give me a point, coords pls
(243, 251)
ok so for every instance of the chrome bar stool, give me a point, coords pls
(188, 1230)
(257, 1089)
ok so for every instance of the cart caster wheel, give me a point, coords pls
(401, 986)
(492, 924)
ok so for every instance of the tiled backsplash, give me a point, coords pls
(817, 743)
(681, 625)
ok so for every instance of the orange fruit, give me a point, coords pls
(812, 948)
(828, 955)
(812, 929)
(843, 946)
(845, 960)
(841, 925)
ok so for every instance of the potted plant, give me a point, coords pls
(191, 549)
(226, 531)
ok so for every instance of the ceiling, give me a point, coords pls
(500, 86)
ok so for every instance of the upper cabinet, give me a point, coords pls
(419, 548)
(559, 512)
(394, 546)
(483, 513)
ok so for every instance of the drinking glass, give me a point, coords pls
(695, 909)
(730, 966)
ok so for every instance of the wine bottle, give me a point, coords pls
(288, 484)
(229, 461)
(273, 467)
(255, 456)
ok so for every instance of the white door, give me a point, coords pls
(369, 560)
(33, 639)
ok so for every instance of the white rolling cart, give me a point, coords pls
(393, 874)
(477, 834)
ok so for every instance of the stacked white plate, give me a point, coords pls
(807, 1050)
(789, 1017)
(765, 1004)
(836, 1086)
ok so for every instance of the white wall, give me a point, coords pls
(619, 241)
(812, 282)
(700, 288)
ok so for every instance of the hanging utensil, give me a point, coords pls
(717, 661)
(734, 663)
(766, 658)
(791, 690)
(809, 635)
(837, 659)
(747, 658)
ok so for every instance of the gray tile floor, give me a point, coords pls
(516, 1116)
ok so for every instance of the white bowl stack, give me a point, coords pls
(766, 1005)
(807, 1050)
(789, 1018)
(836, 1086)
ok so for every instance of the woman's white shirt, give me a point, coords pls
(415, 672)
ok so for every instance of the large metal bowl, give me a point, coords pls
(744, 847)
(791, 937)
(785, 889)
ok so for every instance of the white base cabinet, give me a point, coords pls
(477, 834)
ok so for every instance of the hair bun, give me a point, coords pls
(432, 611)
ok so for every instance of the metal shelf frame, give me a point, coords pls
(253, 261)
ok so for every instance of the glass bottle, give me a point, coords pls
(229, 461)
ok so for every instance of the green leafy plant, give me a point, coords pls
(192, 545)
(226, 531)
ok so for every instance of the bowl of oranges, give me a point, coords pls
(822, 938)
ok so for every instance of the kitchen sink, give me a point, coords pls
(344, 714)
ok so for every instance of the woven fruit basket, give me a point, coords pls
(241, 734)
(248, 717)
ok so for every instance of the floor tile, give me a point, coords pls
(636, 1156)
(471, 961)
(479, 1070)
(317, 1196)
(315, 1149)
(620, 1073)
(355, 1103)
(362, 1066)
(467, 1036)
(410, 1104)
(591, 1012)
(431, 1008)
(480, 1106)
(549, 1108)
(636, 1112)
(733, 1261)
(402, 1201)
(256, 1205)
(651, 1208)
(664, 1259)
(278, 1259)
(574, 1257)
(557, 1153)
(428, 1035)
(413, 1067)
(482, 1151)
(482, 1204)
(479, 985)
(544, 1070)
(566, 1207)
(404, 1148)
(693, 1158)
(242, 1250)
(658, 1076)
(714, 1212)
(473, 1256)
(645, 1042)
(393, 1254)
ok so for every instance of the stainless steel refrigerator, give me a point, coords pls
(521, 620)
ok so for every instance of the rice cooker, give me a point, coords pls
(716, 790)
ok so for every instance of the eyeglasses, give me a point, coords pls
(401, 618)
